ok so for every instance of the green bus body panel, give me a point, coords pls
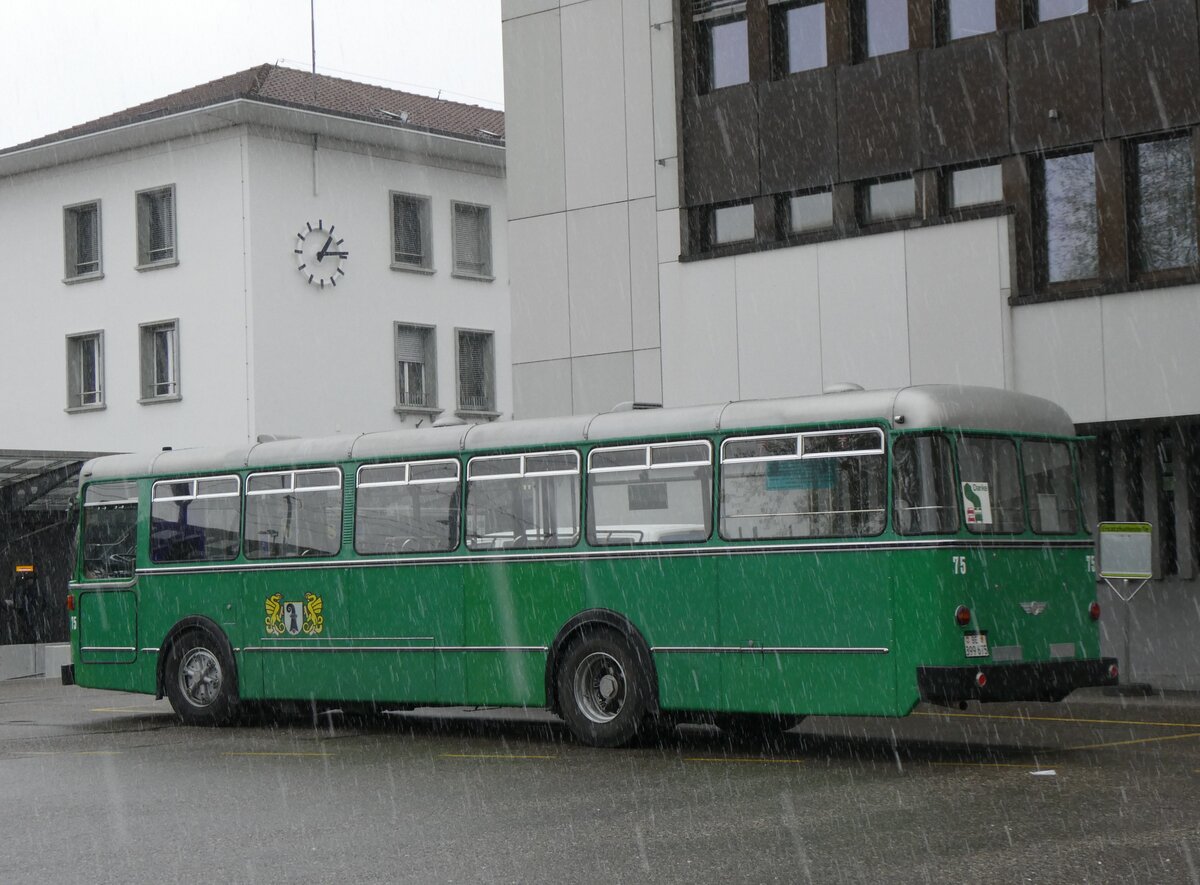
(108, 626)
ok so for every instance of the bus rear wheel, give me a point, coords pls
(200, 681)
(602, 690)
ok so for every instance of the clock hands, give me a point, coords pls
(321, 253)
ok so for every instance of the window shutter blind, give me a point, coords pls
(474, 372)
(406, 231)
(410, 345)
(472, 240)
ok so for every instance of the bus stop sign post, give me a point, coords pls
(1125, 554)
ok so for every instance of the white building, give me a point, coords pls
(271, 253)
(727, 199)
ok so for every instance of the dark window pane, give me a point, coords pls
(806, 38)
(1165, 209)
(887, 26)
(729, 57)
(923, 479)
(1050, 486)
(888, 200)
(967, 18)
(990, 484)
(1069, 215)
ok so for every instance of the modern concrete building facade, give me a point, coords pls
(271, 253)
(713, 199)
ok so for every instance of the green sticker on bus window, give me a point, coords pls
(816, 473)
(977, 503)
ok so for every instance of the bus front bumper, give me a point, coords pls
(1035, 681)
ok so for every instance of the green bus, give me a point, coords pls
(851, 553)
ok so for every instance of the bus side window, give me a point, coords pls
(110, 530)
(523, 501)
(407, 508)
(195, 520)
(923, 496)
(650, 494)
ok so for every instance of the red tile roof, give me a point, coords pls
(300, 89)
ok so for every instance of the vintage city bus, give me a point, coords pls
(851, 553)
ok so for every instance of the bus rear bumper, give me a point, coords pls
(1036, 681)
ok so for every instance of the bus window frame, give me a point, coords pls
(194, 482)
(1076, 489)
(957, 435)
(649, 466)
(81, 568)
(522, 473)
(458, 480)
(291, 489)
(883, 449)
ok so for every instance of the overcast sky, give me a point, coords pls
(69, 61)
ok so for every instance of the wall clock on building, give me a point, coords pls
(320, 255)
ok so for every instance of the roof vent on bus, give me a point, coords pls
(841, 387)
(634, 406)
(448, 421)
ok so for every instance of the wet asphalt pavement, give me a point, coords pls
(109, 787)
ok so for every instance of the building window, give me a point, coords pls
(798, 30)
(883, 27)
(411, 245)
(1163, 222)
(81, 237)
(966, 18)
(889, 200)
(472, 240)
(732, 224)
(975, 186)
(159, 360)
(1068, 218)
(809, 212)
(1048, 10)
(156, 226)
(85, 371)
(416, 360)
(476, 372)
(722, 50)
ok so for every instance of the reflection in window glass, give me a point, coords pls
(728, 54)
(293, 513)
(975, 187)
(888, 200)
(649, 494)
(887, 26)
(990, 484)
(407, 508)
(1164, 222)
(1069, 216)
(1050, 487)
(527, 501)
(811, 211)
(1051, 9)
(766, 493)
(195, 520)
(923, 478)
(110, 530)
(969, 18)
(806, 47)
(732, 224)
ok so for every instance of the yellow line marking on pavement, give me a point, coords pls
(988, 764)
(489, 756)
(749, 760)
(1063, 719)
(127, 709)
(277, 754)
(1170, 737)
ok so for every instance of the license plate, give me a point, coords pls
(975, 645)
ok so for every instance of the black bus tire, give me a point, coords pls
(199, 680)
(603, 690)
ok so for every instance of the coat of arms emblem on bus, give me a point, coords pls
(294, 617)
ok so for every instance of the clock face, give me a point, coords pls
(320, 254)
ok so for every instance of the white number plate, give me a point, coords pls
(975, 645)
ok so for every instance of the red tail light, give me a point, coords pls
(981, 679)
(70, 602)
(962, 616)
(1112, 671)
(1094, 611)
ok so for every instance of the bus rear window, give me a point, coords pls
(990, 484)
(823, 484)
(1050, 487)
(655, 494)
(294, 513)
(195, 520)
(109, 530)
(407, 508)
(923, 501)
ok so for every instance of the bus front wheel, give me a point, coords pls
(602, 689)
(200, 681)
